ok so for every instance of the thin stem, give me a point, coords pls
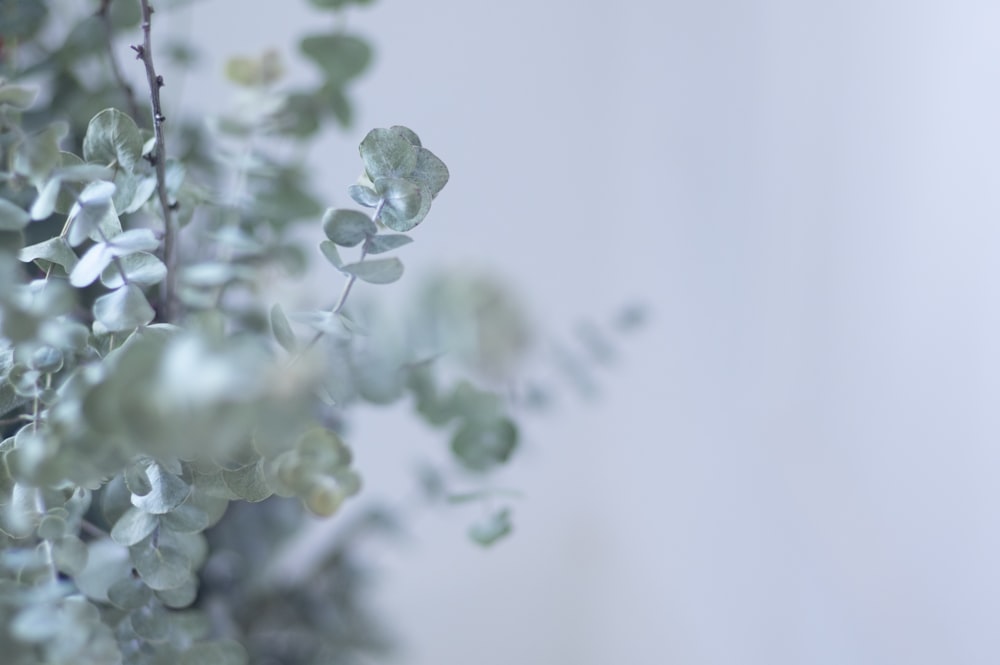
(104, 13)
(342, 300)
(144, 52)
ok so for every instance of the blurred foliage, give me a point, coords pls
(166, 425)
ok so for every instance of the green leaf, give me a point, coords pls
(129, 594)
(362, 195)
(480, 446)
(406, 203)
(125, 308)
(91, 265)
(247, 482)
(387, 242)
(340, 56)
(18, 96)
(12, 217)
(186, 518)
(38, 154)
(331, 254)
(89, 217)
(378, 271)
(150, 622)
(107, 563)
(167, 491)
(430, 172)
(141, 268)
(133, 240)
(113, 138)
(133, 527)
(388, 153)
(47, 200)
(180, 597)
(347, 228)
(161, 567)
(52, 251)
(223, 652)
(282, 330)
(492, 529)
(69, 555)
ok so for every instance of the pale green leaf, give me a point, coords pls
(331, 254)
(125, 308)
(134, 526)
(91, 265)
(141, 268)
(247, 482)
(129, 593)
(282, 330)
(388, 153)
(167, 491)
(405, 203)
(387, 242)
(69, 555)
(17, 96)
(347, 228)
(480, 445)
(52, 251)
(492, 529)
(340, 56)
(12, 217)
(362, 195)
(113, 138)
(161, 567)
(377, 271)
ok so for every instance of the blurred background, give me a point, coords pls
(795, 461)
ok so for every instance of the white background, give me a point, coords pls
(796, 462)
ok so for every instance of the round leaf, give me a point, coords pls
(134, 526)
(347, 228)
(113, 137)
(387, 242)
(161, 567)
(480, 446)
(166, 493)
(141, 268)
(125, 308)
(340, 56)
(388, 153)
(406, 203)
(12, 217)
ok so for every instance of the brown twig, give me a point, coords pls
(158, 157)
(104, 13)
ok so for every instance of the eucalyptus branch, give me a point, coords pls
(144, 52)
(342, 300)
(104, 14)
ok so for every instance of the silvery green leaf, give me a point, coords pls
(247, 482)
(167, 491)
(387, 242)
(161, 567)
(340, 56)
(377, 271)
(186, 518)
(492, 529)
(430, 172)
(480, 445)
(17, 96)
(134, 526)
(150, 622)
(12, 217)
(113, 138)
(91, 265)
(93, 214)
(133, 240)
(347, 228)
(282, 330)
(181, 596)
(45, 203)
(331, 254)
(363, 195)
(405, 203)
(129, 593)
(141, 268)
(125, 308)
(388, 153)
(69, 555)
(52, 251)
